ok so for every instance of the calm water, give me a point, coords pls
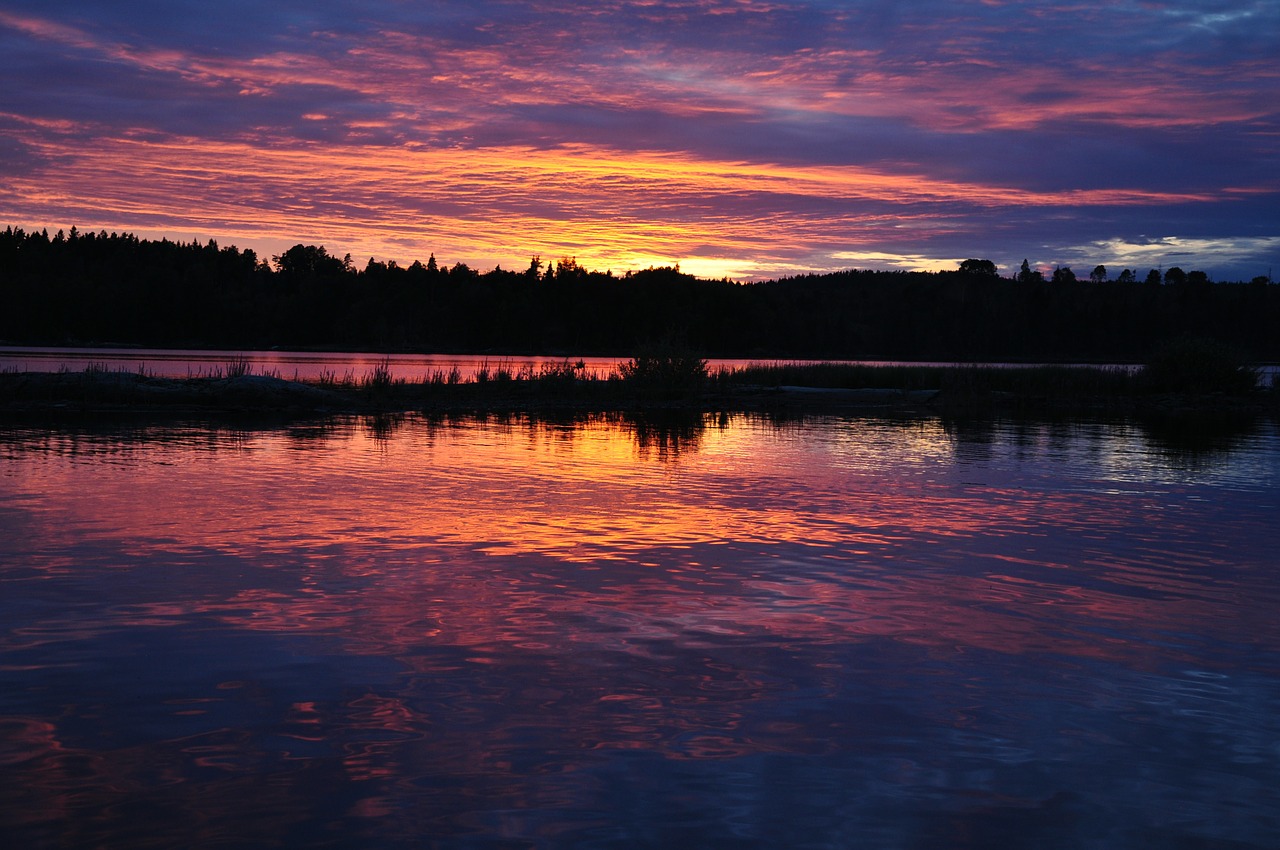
(610, 633)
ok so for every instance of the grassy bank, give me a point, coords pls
(1193, 375)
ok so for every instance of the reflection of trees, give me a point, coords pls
(105, 435)
(384, 426)
(1190, 439)
(972, 438)
(665, 433)
(313, 431)
(1198, 440)
(1183, 439)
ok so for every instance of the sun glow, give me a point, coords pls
(500, 205)
(736, 139)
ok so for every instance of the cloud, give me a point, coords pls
(1163, 252)
(756, 133)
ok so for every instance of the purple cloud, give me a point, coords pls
(924, 130)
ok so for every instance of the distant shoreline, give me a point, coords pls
(124, 291)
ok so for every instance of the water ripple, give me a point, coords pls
(596, 633)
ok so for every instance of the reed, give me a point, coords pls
(440, 378)
(238, 367)
(379, 380)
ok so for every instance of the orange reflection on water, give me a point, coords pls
(478, 610)
(520, 536)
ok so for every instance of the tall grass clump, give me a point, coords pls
(562, 376)
(379, 380)
(1199, 367)
(665, 370)
(441, 378)
(238, 367)
(91, 369)
(503, 373)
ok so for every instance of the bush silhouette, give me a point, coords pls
(665, 370)
(1199, 366)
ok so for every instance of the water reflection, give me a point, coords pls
(1178, 440)
(1201, 439)
(607, 631)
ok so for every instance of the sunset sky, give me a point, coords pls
(739, 138)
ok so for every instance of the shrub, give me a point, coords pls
(1199, 366)
(665, 370)
(564, 375)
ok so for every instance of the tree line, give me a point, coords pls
(85, 288)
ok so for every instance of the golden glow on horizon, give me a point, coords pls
(393, 142)
(498, 206)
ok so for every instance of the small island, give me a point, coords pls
(1193, 375)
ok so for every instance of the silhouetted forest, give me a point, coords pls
(85, 288)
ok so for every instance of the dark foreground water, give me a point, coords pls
(840, 633)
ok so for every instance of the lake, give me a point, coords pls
(622, 632)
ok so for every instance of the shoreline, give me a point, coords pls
(126, 392)
(56, 394)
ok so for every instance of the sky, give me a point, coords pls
(747, 139)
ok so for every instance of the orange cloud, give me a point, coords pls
(610, 208)
(623, 140)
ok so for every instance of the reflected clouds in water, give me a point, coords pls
(619, 631)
